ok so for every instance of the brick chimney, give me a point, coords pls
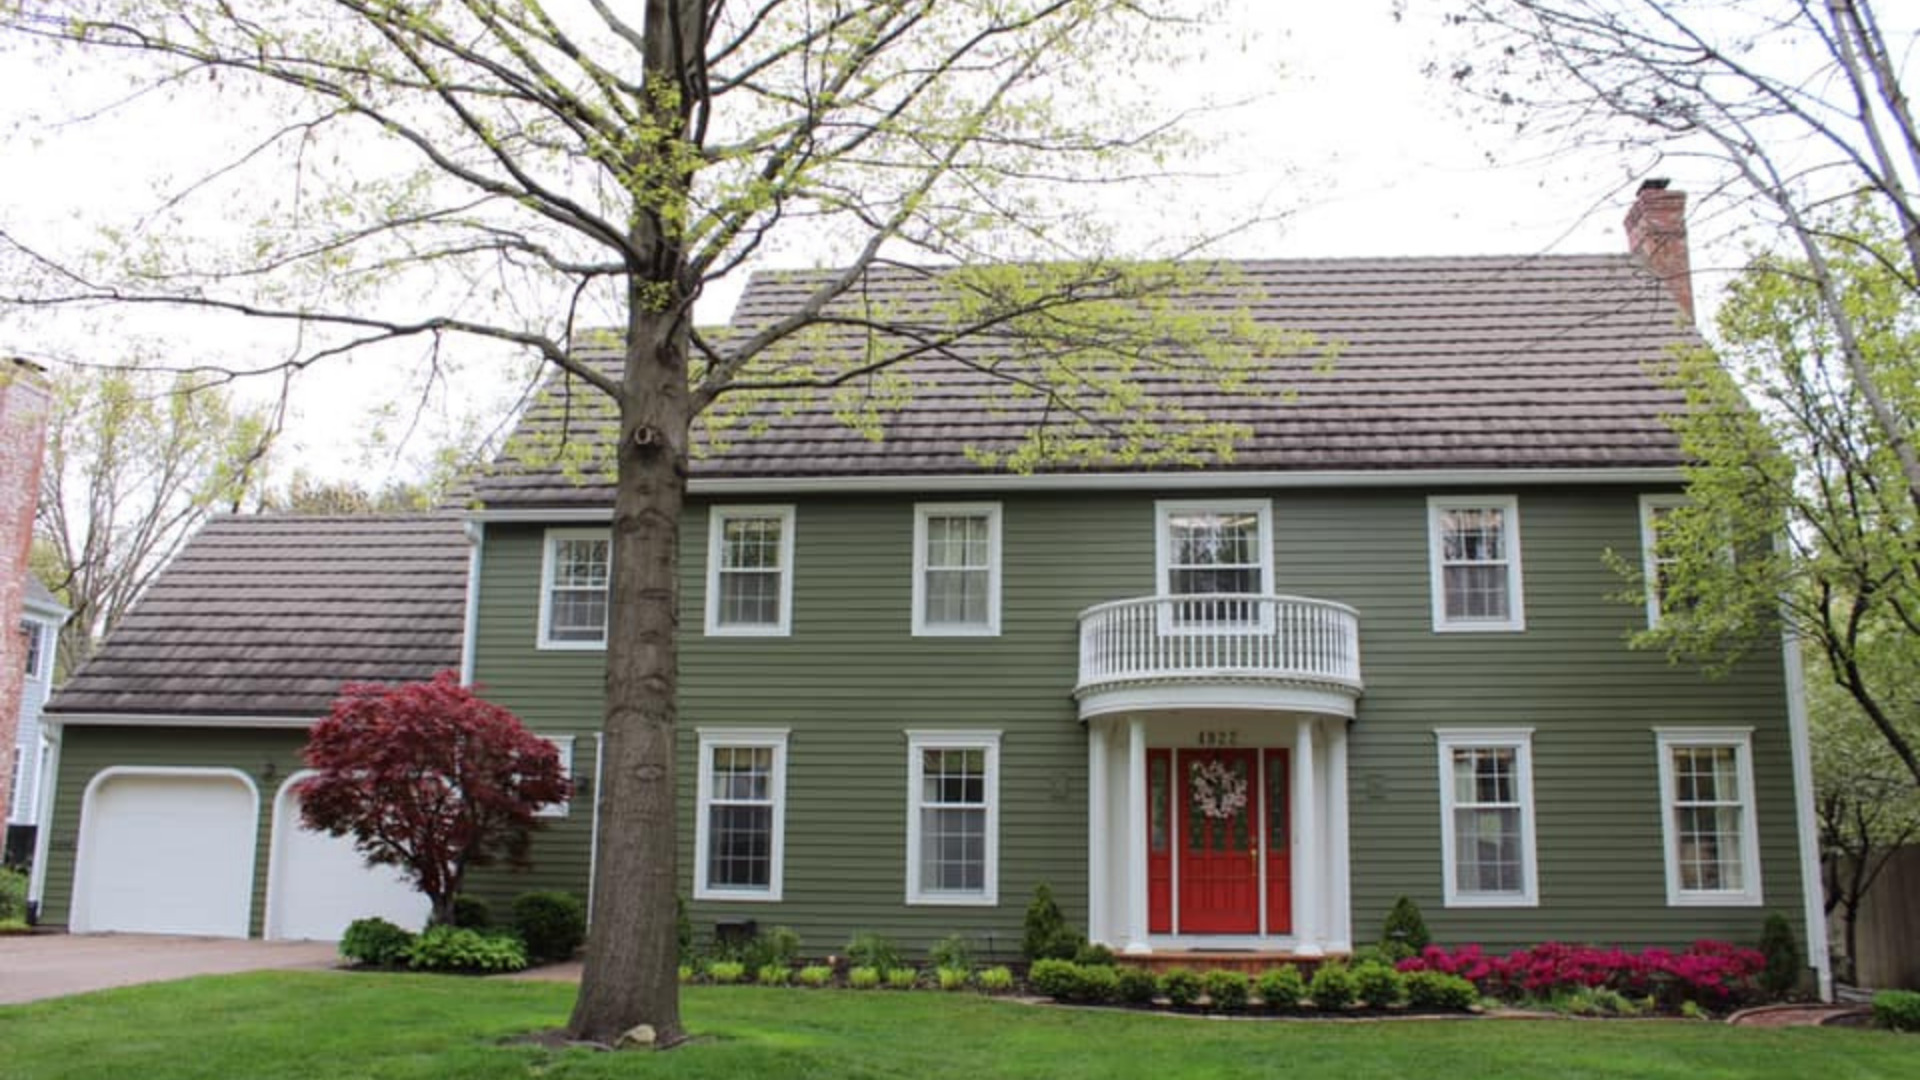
(1657, 233)
(23, 430)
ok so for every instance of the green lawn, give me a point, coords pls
(267, 1026)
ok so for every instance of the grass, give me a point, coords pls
(287, 1025)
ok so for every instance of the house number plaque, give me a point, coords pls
(1219, 738)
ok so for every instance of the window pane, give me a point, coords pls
(750, 544)
(1487, 850)
(1159, 801)
(957, 542)
(1473, 535)
(1710, 848)
(740, 846)
(953, 850)
(580, 564)
(957, 597)
(953, 777)
(578, 615)
(1476, 592)
(742, 772)
(749, 597)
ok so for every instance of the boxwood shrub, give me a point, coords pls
(1378, 985)
(1439, 990)
(1138, 986)
(375, 941)
(1897, 1010)
(1332, 987)
(1057, 979)
(1181, 986)
(1226, 990)
(1281, 987)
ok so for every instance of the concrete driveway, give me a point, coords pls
(36, 966)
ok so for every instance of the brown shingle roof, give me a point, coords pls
(268, 616)
(1437, 363)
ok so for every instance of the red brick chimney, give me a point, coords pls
(1657, 232)
(23, 430)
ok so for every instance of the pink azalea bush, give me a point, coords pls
(1710, 973)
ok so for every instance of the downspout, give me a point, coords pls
(1810, 888)
(476, 531)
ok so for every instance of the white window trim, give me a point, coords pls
(775, 738)
(917, 742)
(1649, 564)
(1668, 739)
(561, 809)
(1165, 509)
(716, 533)
(923, 511)
(1516, 619)
(1520, 740)
(547, 566)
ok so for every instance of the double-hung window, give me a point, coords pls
(956, 569)
(1706, 792)
(30, 631)
(563, 745)
(1486, 817)
(750, 571)
(740, 831)
(1214, 557)
(573, 601)
(1656, 565)
(1474, 544)
(953, 817)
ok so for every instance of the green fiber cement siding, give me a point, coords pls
(851, 679)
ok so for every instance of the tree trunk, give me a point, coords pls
(632, 955)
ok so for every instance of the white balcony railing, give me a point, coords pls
(1220, 636)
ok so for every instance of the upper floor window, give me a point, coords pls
(1208, 549)
(953, 817)
(740, 829)
(750, 570)
(1712, 846)
(1486, 811)
(956, 569)
(1475, 562)
(1656, 565)
(573, 602)
(30, 632)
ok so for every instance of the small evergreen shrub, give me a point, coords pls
(1044, 934)
(951, 978)
(1181, 986)
(1332, 987)
(376, 942)
(1897, 1010)
(553, 924)
(472, 913)
(1055, 978)
(1226, 990)
(816, 975)
(726, 972)
(773, 975)
(1379, 986)
(1137, 986)
(1439, 990)
(1405, 932)
(864, 978)
(1098, 984)
(995, 980)
(459, 948)
(951, 953)
(1780, 975)
(1091, 955)
(1281, 987)
(874, 951)
(902, 978)
(13, 895)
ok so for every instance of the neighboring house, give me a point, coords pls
(175, 744)
(1245, 707)
(41, 617)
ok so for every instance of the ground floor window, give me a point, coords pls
(1706, 784)
(953, 817)
(740, 824)
(1486, 817)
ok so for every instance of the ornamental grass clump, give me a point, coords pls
(995, 980)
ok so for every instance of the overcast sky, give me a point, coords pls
(1361, 152)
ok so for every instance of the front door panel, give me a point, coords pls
(1219, 844)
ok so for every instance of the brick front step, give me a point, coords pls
(1252, 963)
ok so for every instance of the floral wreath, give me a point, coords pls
(1220, 793)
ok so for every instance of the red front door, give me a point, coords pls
(1219, 842)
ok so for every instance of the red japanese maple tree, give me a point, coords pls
(431, 778)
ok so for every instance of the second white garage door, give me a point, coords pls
(166, 851)
(318, 883)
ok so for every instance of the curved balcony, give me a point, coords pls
(1290, 653)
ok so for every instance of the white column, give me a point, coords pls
(1307, 871)
(1339, 920)
(1098, 926)
(1136, 811)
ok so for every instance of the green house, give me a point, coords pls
(1381, 652)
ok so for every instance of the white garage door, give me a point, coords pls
(319, 883)
(165, 852)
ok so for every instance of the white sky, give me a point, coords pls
(1366, 155)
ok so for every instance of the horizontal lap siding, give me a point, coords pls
(852, 678)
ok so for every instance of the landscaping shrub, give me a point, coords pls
(1045, 935)
(375, 941)
(773, 975)
(951, 978)
(1405, 932)
(726, 972)
(553, 924)
(815, 975)
(471, 913)
(1379, 986)
(863, 978)
(1091, 955)
(874, 951)
(1332, 987)
(1281, 987)
(951, 953)
(1780, 957)
(1098, 984)
(1137, 986)
(459, 948)
(1897, 1010)
(1596, 1001)
(1226, 990)
(685, 973)
(1710, 973)
(780, 945)
(902, 978)
(1055, 978)
(13, 895)
(1439, 990)
(995, 980)
(1181, 986)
